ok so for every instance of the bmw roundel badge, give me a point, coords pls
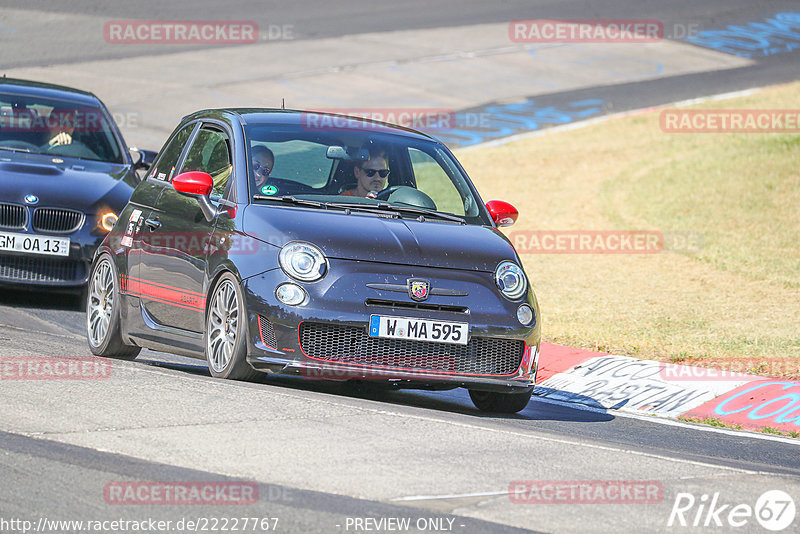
(31, 199)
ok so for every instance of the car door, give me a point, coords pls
(174, 269)
(142, 202)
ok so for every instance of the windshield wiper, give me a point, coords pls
(420, 211)
(365, 208)
(290, 199)
(12, 149)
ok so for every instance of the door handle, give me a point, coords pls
(153, 224)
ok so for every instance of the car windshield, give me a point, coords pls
(357, 169)
(56, 128)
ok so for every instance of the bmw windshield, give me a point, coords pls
(56, 128)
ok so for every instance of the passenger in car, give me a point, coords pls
(263, 161)
(370, 175)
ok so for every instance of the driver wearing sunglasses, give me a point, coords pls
(370, 176)
(263, 161)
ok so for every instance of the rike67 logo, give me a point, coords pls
(774, 510)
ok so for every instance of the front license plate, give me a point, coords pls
(418, 329)
(34, 244)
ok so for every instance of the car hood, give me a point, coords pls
(372, 238)
(86, 185)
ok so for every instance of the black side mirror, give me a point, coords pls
(143, 159)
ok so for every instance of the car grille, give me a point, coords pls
(32, 269)
(57, 220)
(12, 216)
(267, 332)
(383, 303)
(346, 344)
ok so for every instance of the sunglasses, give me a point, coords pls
(383, 173)
(262, 169)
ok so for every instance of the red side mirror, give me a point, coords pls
(193, 183)
(503, 213)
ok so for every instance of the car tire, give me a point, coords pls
(225, 338)
(102, 313)
(492, 401)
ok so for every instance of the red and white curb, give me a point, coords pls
(624, 384)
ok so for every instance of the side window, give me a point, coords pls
(164, 167)
(435, 182)
(210, 153)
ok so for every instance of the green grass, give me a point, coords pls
(735, 296)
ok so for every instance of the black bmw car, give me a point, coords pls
(318, 245)
(65, 175)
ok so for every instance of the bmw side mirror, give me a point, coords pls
(503, 213)
(198, 185)
(143, 159)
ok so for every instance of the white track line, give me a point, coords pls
(672, 422)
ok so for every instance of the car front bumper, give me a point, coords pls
(32, 271)
(501, 354)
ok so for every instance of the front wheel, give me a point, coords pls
(491, 401)
(102, 313)
(226, 332)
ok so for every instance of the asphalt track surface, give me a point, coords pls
(323, 453)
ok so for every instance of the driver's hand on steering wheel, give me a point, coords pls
(372, 194)
(63, 138)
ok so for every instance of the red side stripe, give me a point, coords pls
(148, 282)
(189, 300)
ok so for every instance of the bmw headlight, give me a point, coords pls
(510, 279)
(303, 261)
(107, 220)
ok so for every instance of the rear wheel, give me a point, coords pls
(491, 401)
(226, 332)
(102, 313)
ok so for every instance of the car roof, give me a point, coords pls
(294, 117)
(46, 90)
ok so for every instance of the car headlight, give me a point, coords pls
(107, 220)
(291, 294)
(303, 261)
(525, 315)
(510, 279)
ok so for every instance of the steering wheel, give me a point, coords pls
(76, 149)
(411, 196)
(386, 193)
(23, 145)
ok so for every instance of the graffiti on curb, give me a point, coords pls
(775, 35)
(499, 121)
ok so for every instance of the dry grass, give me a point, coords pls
(738, 297)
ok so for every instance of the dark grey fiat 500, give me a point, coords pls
(318, 245)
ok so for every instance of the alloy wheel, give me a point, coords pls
(100, 303)
(223, 324)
